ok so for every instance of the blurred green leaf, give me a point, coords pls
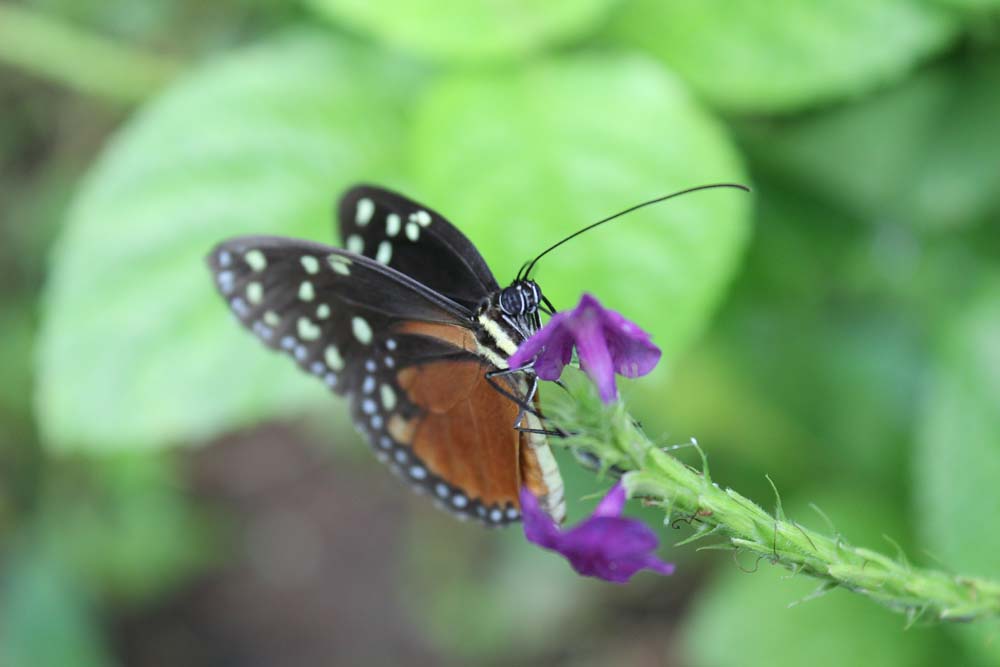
(522, 159)
(972, 5)
(45, 619)
(743, 619)
(469, 31)
(17, 321)
(126, 527)
(957, 461)
(929, 154)
(136, 348)
(783, 55)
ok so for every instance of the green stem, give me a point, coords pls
(77, 59)
(610, 434)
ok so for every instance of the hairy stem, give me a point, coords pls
(45, 47)
(612, 436)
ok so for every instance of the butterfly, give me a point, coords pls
(408, 323)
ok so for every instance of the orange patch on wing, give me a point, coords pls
(466, 436)
(440, 385)
(454, 335)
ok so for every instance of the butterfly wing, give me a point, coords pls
(406, 357)
(414, 240)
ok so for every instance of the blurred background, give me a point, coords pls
(171, 493)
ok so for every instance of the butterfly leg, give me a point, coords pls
(524, 404)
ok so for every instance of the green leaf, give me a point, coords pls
(476, 30)
(957, 462)
(521, 159)
(928, 147)
(743, 619)
(783, 55)
(136, 348)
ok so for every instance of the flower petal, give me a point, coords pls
(613, 502)
(547, 348)
(558, 352)
(539, 527)
(632, 352)
(612, 548)
(606, 342)
(595, 358)
(605, 545)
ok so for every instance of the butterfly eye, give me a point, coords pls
(531, 295)
(512, 301)
(536, 293)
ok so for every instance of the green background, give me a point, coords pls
(171, 493)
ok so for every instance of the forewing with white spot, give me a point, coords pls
(416, 240)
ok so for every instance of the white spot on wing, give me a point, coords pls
(256, 260)
(422, 218)
(355, 244)
(272, 318)
(255, 292)
(310, 264)
(362, 330)
(392, 224)
(240, 307)
(412, 231)
(322, 311)
(225, 279)
(306, 291)
(262, 330)
(384, 254)
(308, 330)
(333, 358)
(388, 397)
(363, 215)
(339, 264)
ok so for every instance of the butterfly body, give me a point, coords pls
(408, 323)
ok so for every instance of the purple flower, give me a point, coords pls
(606, 342)
(606, 545)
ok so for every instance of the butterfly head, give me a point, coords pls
(521, 299)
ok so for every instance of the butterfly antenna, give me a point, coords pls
(711, 186)
(521, 270)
